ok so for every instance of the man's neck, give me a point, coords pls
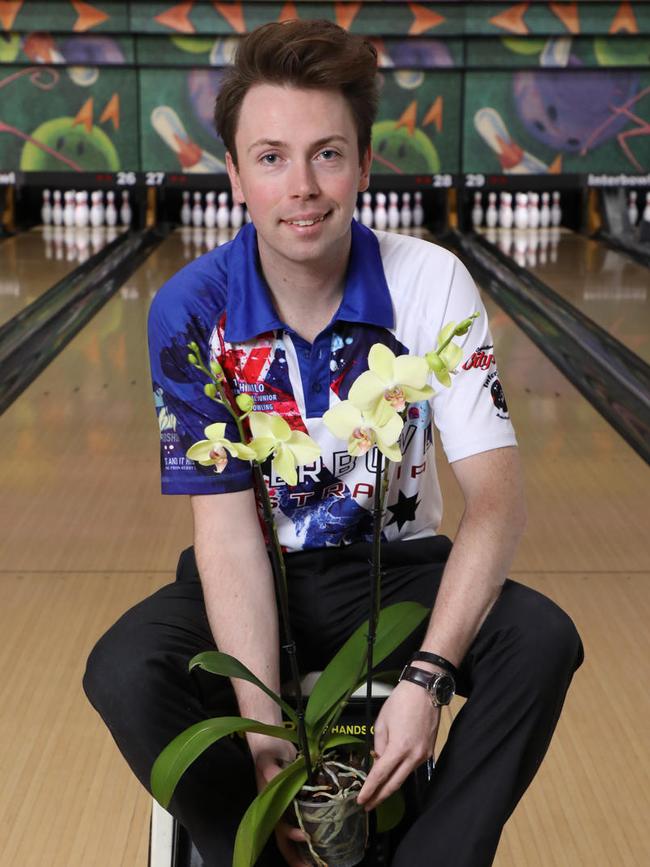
(306, 295)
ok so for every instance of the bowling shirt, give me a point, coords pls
(400, 291)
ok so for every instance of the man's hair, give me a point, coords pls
(306, 54)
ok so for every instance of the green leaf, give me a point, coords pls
(390, 812)
(265, 812)
(341, 739)
(222, 663)
(178, 755)
(348, 667)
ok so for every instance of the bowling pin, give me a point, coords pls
(393, 211)
(197, 211)
(46, 209)
(126, 215)
(405, 214)
(366, 210)
(506, 215)
(236, 216)
(69, 208)
(477, 211)
(418, 210)
(521, 211)
(380, 216)
(545, 212)
(186, 210)
(223, 211)
(356, 216)
(57, 210)
(632, 208)
(646, 211)
(110, 214)
(491, 214)
(97, 208)
(533, 211)
(210, 213)
(81, 213)
(556, 210)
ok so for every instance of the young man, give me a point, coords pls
(290, 309)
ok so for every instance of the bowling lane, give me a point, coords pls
(94, 492)
(605, 285)
(587, 490)
(33, 261)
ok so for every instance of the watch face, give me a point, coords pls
(443, 689)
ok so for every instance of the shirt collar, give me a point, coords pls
(250, 311)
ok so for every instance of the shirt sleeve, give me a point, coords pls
(472, 415)
(176, 318)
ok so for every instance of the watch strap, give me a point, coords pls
(434, 659)
(425, 679)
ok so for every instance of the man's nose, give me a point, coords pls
(303, 182)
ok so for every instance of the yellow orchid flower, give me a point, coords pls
(444, 360)
(214, 450)
(290, 448)
(396, 379)
(362, 430)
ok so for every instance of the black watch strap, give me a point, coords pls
(428, 680)
(434, 659)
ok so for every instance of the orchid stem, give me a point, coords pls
(375, 594)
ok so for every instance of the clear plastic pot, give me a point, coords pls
(337, 829)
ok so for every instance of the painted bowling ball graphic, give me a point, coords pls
(572, 111)
(89, 150)
(419, 52)
(88, 50)
(202, 87)
(396, 149)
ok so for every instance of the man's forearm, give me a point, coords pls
(242, 612)
(472, 580)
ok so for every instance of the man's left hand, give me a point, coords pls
(405, 736)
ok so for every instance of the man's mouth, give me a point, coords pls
(306, 222)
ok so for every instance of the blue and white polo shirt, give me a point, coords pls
(400, 291)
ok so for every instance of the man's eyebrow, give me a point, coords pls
(267, 142)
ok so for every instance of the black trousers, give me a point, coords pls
(515, 676)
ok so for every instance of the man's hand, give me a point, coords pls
(271, 755)
(405, 735)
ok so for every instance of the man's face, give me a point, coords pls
(298, 171)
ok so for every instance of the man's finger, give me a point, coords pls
(381, 770)
(389, 785)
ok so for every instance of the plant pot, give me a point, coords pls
(337, 830)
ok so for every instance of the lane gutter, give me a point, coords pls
(611, 377)
(22, 361)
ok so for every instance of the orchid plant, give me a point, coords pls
(373, 415)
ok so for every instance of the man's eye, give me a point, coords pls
(269, 159)
(329, 154)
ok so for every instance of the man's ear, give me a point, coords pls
(366, 162)
(235, 184)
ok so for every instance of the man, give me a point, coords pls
(290, 309)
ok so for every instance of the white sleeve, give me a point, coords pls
(472, 416)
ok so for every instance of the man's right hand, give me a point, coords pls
(271, 755)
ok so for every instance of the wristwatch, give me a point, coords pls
(441, 687)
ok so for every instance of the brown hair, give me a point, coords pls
(308, 54)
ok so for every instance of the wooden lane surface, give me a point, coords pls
(87, 535)
(605, 285)
(33, 261)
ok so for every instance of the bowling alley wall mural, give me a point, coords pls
(465, 87)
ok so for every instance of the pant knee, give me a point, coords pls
(550, 643)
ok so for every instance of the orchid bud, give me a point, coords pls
(216, 368)
(464, 326)
(192, 358)
(436, 364)
(244, 402)
(210, 390)
(193, 346)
